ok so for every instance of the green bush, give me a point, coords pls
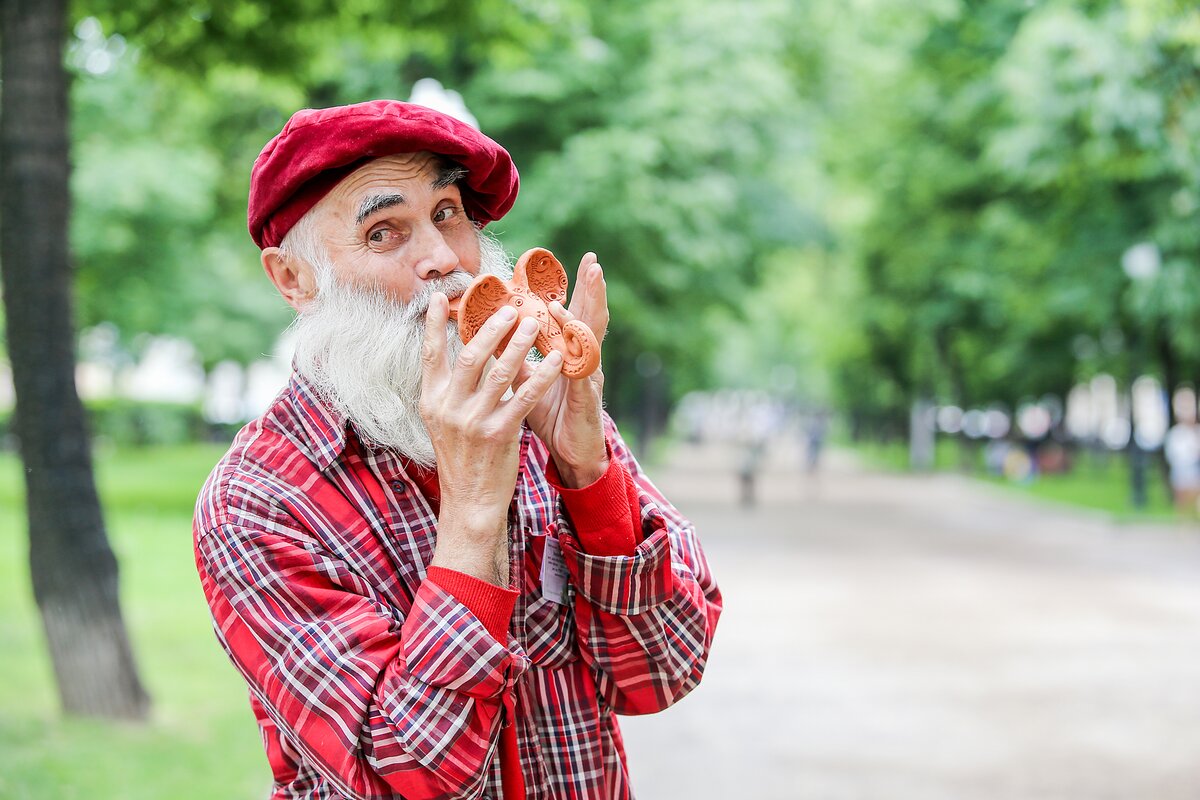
(129, 422)
(137, 423)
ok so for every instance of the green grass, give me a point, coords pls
(201, 741)
(1097, 483)
(1102, 488)
(894, 455)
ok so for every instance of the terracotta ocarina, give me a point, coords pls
(538, 280)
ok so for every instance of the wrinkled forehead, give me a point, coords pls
(403, 177)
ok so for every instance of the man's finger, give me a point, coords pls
(507, 368)
(534, 387)
(590, 303)
(597, 322)
(434, 364)
(524, 372)
(472, 358)
(595, 313)
(579, 295)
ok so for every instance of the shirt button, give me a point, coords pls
(398, 487)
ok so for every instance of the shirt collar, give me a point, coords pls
(324, 427)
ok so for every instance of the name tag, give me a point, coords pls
(554, 572)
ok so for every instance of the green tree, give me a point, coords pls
(144, 259)
(998, 160)
(73, 569)
(158, 237)
(663, 139)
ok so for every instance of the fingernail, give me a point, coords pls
(507, 313)
(528, 325)
(553, 357)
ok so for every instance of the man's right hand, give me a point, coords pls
(476, 435)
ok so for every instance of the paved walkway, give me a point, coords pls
(929, 638)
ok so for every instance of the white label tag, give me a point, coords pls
(554, 572)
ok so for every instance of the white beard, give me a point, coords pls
(361, 351)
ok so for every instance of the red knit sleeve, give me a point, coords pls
(492, 604)
(605, 514)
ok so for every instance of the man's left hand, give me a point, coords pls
(568, 417)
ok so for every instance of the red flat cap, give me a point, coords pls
(319, 147)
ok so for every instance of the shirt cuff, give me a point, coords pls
(605, 515)
(622, 585)
(491, 604)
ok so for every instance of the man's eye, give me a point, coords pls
(381, 235)
(444, 214)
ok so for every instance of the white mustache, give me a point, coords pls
(452, 285)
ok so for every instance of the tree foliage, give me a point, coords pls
(1000, 159)
(649, 133)
(890, 200)
(655, 142)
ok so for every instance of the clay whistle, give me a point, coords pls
(538, 280)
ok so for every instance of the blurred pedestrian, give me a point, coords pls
(1182, 450)
(753, 453)
(816, 428)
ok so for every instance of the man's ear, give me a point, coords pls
(293, 277)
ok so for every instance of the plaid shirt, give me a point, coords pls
(369, 681)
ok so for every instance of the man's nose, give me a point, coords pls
(437, 257)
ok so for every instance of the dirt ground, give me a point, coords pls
(928, 638)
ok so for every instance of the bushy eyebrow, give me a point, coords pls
(449, 174)
(376, 203)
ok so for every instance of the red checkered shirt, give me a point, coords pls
(369, 680)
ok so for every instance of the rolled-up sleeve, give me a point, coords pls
(645, 621)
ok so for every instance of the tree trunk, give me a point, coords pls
(73, 568)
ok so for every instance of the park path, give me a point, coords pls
(899, 637)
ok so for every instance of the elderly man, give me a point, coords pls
(441, 573)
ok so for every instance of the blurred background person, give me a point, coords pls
(1182, 450)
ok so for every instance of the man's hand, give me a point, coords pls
(476, 434)
(568, 417)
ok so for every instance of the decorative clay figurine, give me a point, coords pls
(538, 280)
